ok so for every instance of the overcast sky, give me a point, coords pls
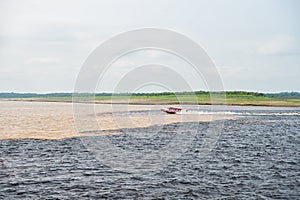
(255, 44)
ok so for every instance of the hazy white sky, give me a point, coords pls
(254, 43)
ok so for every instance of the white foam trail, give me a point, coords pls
(240, 113)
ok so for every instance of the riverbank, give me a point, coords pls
(234, 98)
(167, 100)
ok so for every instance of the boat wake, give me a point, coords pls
(240, 113)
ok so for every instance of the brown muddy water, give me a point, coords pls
(256, 156)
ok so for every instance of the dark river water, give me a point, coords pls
(256, 156)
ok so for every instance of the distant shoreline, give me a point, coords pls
(157, 101)
(230, 98)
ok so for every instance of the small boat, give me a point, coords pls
(171, 110)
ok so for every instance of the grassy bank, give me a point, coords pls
(200, 97)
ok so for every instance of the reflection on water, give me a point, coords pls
(257, 156)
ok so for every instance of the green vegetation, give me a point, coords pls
(199, 97)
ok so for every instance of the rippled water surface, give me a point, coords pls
(256, 157)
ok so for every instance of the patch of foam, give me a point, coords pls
(185, 112)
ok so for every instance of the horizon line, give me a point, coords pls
(144, 92)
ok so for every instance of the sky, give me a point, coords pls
(255, 44)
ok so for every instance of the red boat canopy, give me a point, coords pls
(175, 109)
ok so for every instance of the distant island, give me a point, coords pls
(290, 99)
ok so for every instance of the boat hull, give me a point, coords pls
(169, 111)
